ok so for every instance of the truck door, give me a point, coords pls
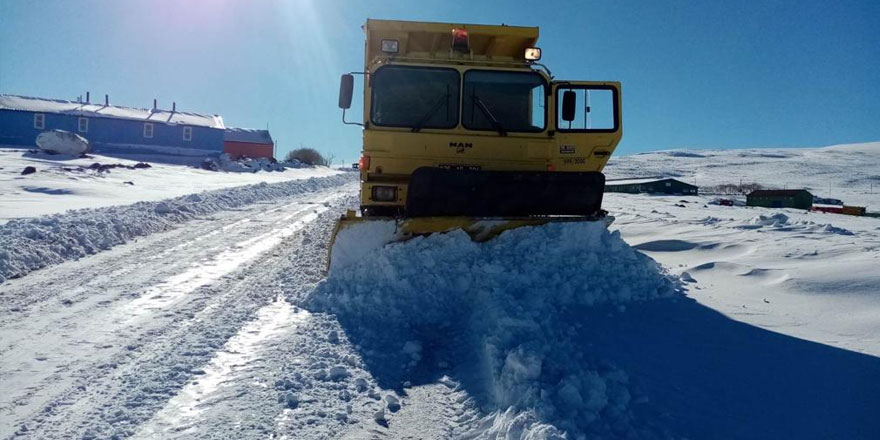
(588, 131)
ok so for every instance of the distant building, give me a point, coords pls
(831, 209)
(247, 142)
(855, 210)
(652, 185)
(780, 198)
(115, 129)
(840, 209)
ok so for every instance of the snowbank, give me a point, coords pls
(57, 185)
(245, 164)
(62, 142)
(781, 221)
(503, 315)
(27, 245)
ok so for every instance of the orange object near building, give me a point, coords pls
(841, 209)
(238, 142)
(832, 209)
(236, 149)
(854, 210)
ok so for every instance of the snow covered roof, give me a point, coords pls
(777, 192)
(99, 110)
(249, 135)
(639, 181)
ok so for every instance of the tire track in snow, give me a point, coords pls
(102, 331)
(272, 320)
(203, 273)
(109, 391)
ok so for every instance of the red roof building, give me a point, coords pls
(239, 142)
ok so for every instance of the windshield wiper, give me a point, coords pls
(443, 99)
(483, 108)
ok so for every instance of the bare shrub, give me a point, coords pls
(308, 156)
(749, 187)
(731, 188)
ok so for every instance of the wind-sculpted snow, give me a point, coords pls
(781, 221)
(501, 317)
(27, 245)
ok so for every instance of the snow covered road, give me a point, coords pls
(95, 347)
(756, 323)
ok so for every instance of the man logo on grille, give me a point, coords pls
(460, 146)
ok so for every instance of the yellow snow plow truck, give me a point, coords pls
(463, 128)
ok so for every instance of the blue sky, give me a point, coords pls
(715, 74)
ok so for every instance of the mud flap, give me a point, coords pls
(448, 192)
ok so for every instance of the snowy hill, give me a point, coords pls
(847, 172)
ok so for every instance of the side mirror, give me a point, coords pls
(569, 100)
(346, 88)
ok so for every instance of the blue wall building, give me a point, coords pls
(111, 129)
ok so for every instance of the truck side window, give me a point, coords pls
(595, 109)
(539, 107)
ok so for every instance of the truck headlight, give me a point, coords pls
(384, 193)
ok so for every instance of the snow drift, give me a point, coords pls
(225, 162)
(780, 221)
(27, 245)
(62, 142)
(502, 317)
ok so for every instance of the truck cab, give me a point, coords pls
(462, 119)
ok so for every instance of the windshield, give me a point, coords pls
(503, 101)
(415, 97)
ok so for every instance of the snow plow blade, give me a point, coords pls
(355, 237)
(481, 203)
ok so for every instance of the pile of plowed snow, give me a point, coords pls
(501, 317)
(30, 244)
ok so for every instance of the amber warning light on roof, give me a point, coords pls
(460, 41)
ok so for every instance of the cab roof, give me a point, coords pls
(429, 40)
